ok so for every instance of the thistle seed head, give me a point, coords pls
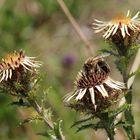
(94, 89)
(16, 72)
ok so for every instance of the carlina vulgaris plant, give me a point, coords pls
(19, 77)
(96, 94)
(123, 33)
(121, 30)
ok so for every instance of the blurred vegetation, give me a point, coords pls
(41, 29)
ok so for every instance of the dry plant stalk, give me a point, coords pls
(77, 28)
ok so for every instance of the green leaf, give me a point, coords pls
(122, 124)
(96, 126)
(134, 73)
(20, 103)
(58, 130)
(55, 134)
(48, 135)
(82, 121)
(119, 110)
(132, 51)
(108, 51)
(128, 130)
(48, 114)
(121, 64)
(29, 120)
(129, 119)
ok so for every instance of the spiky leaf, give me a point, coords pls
(134, 73)
(119, 110)
(95, 126)
(29, 120)
(82, 121)
(48, 135)
(58, 130)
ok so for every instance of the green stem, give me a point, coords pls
(40, 112)
(110, 133)
(128, 113)
(107, 124)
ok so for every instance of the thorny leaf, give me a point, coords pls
(44, 97)
(121, 63)
(132, 51)
(128, 130)
(47, 114)
(36, 82)
(134, 73)
(122, 124)
(48, 135)
(58, 130)
(33, 86)
(95, 126)
(108, 51)
(55, 134)
(82, 121)
(29, 120)
(119, 110)
(129, 119)
(21, 102)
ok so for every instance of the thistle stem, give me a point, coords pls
(128, 113)
(107, 125)
(40, 112)
(109, 133)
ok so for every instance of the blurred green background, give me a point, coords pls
(41, 29)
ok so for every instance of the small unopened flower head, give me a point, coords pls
(94, 89)
(16, 72)
(121, 24)
(68, 61)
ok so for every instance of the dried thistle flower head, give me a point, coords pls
(16, 70)
(95, 90)
(15, 62)
(121, 24)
